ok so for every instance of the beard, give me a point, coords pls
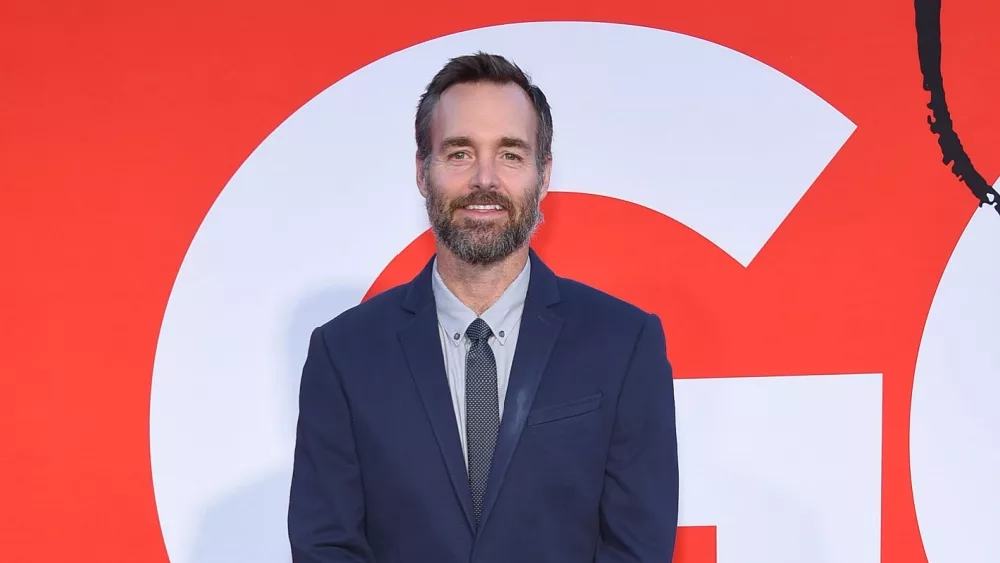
(482, 242)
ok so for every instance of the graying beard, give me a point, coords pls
(466, 248)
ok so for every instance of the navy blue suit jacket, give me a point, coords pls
(585, 466)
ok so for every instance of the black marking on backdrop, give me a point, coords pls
(928, 20)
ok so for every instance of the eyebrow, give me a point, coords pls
(507, 142)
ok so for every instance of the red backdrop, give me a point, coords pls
(120, 122)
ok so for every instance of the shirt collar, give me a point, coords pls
(501, 317)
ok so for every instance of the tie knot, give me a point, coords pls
(478, 330)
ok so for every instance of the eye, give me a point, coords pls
(459, 155)
(511, 156)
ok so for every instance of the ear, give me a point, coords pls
(546, 177)
(421, 184)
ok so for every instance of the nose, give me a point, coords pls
(485, 177)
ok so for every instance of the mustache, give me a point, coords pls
(482, 198)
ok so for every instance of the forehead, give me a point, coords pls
(484, 112)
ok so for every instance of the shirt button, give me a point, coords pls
(457, 336)
(501, 334)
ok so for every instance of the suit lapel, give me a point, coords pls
(538, 333)
(422, 346)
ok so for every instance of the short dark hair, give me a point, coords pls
(489, 68)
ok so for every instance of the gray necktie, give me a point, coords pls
(482, 409)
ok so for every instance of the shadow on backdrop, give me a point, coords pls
(248, 525)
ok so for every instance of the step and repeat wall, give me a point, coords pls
(801, 191)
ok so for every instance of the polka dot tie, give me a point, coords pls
(482, 409)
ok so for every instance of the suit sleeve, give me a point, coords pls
(639, 504)
(326, 502)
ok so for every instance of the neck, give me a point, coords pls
(479, 286)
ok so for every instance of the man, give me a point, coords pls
(488, 410)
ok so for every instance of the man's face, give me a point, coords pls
(483, 186)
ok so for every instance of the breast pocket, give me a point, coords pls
(562, 411)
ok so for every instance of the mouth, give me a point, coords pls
(480, 208)
(482, 214)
